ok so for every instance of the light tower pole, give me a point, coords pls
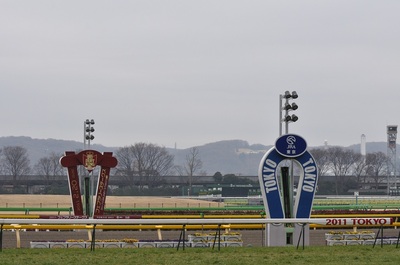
(88, 187)
(287, 179)
(391, 153)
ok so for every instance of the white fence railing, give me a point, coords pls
(322, 221)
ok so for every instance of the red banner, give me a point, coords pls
(75, 190)
(102, 185)
(101, 194)
(70, 161)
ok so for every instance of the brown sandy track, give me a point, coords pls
(61, 201)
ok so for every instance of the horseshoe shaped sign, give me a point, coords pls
(289, 146)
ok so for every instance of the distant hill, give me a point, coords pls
(38, 148)
(371, 147)
(228, 157)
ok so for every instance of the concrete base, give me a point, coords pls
(301, 235)
(278, 235)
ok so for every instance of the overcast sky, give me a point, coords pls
(194, 72)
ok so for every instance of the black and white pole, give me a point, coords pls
(88, 187)
(287, 179)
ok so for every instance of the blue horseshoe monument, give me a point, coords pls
(277, 189)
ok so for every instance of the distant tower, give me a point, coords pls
(363, 145)
(391, 153)
(326, 144)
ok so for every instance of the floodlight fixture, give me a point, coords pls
(287, 94)
(87, 132)
(294, 106)
(294, 118)
(286, 118)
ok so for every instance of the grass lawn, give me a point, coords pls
(205, 256)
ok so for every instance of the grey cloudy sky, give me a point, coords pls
(194, 72)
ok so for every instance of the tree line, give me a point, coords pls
(143, 165)
(350, 169)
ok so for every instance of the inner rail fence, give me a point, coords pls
(222, 223)
(364, 207)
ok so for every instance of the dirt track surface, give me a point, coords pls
(63, 201)
(250, 237)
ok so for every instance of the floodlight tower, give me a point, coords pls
(287, 107)
(87, 132)
(391, 153)
(88, 187)
(287, 177)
